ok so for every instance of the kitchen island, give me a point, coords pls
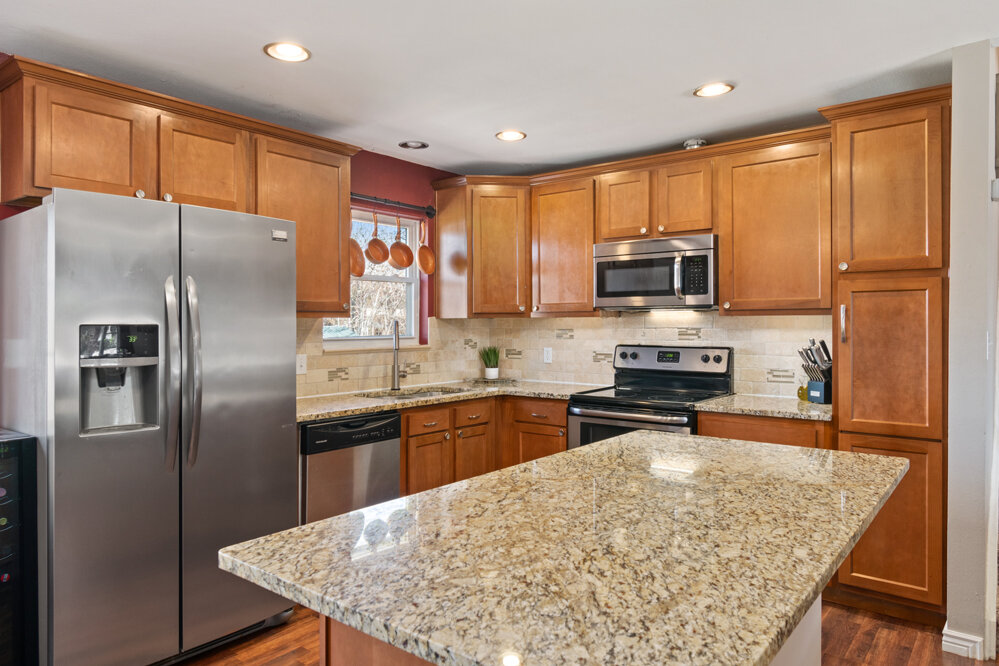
(649, 548)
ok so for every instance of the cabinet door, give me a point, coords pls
(889, 187)
(623, 203)
(902, 551)
(683, 198)
(531, 441)
(889, 355)
(562, 246)
(204, 163)
(429, 461)
(774, 228)
(311, 187)
(499, 249)
(473, 452)
(795, 432)
(86, 141)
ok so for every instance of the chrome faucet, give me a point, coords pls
(396, 375)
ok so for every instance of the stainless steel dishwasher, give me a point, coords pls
(349, 463)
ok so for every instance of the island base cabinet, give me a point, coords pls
(340, 645)
(901, 554)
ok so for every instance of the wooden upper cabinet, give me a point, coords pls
(204, 163)
(774, 228)
(87, 141)
(682, 202)
(500, 271)
(562, 246)
(901, 553)
(623, 206)
(311, 187)
(890, 356)
(889, 185)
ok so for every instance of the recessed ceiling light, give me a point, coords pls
(287, 51)
(414, 145)
(714, 89)
(511, 135)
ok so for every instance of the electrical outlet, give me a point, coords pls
(300, 366)
(548, 354)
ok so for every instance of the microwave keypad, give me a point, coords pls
(696, 275)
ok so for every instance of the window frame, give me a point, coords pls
(373, 342)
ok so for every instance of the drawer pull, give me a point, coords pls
(472, 417)
(430, 425)
(539, 416)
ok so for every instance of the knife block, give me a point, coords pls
(820, 392)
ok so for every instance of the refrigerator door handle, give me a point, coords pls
(173, 379)
(194, 310)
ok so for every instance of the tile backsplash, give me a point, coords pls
(766, 358)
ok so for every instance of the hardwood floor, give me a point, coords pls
(849, 637)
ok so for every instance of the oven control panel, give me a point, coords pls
(676, 359)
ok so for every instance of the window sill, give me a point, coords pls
(355, 346)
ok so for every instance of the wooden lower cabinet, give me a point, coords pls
(530, 441)
(429, 461)
(902, 552)
(472, 452)
(795, 432)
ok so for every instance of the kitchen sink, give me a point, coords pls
(415, 392)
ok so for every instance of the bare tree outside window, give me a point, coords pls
(383, 294)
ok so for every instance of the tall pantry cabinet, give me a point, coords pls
(890, 256)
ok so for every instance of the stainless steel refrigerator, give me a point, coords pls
(151, 348)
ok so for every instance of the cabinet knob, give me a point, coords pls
(535, 308)
(346, 306)
(522, 308)
(661, 228)
(727, 305)
(461, 433)
(140, 194)
(167, 197)
(561, 433)
(643, 230)
(447, 435)
(843, 265)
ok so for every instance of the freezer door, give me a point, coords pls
(113, 495)
(239, 453)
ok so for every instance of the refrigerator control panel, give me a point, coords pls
(119, 341)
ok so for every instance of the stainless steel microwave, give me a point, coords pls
(678, 272)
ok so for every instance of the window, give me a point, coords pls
(383, 294)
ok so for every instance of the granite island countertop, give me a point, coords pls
(649, 548)
(347, 404)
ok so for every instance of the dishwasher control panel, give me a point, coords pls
(350, 431)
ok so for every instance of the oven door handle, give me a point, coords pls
(625, 416)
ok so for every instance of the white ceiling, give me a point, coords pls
(587, 80)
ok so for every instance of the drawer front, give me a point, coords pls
(428, 420)
(473, 413)
(549, 412)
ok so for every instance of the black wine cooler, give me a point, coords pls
(18, 559)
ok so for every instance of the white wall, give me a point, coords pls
(971, 509)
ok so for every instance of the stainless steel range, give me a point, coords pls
(655, 388)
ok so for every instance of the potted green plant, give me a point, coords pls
(490, 359)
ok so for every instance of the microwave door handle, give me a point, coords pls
(678, 276)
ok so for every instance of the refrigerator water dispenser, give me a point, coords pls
(119, 377)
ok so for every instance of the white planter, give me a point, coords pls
(492, 373)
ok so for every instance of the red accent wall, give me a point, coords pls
(391, 178)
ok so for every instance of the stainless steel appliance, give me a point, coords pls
(153, 354)
(18, 558)
(655, 388)
(350, 463)
(678, 272)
